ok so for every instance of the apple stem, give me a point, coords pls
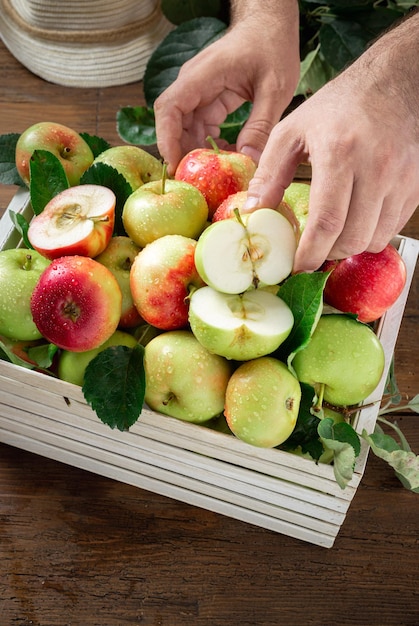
(213, 144)
(163, 179)
(28, 262)
(319, 401)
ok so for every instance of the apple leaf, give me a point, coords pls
(304, 295)
(7, 354)
(114, 385)
(136, 125)
(96, 144)
(108, 176)
(180, 45)
(314, 73)
(47, 177)
(8, 172)
(344, 441)
(404, 462)
(22, 226)
(43, 355)
(305, 432)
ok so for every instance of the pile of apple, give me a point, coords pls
(193, 280)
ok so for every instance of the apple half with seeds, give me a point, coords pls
(258, 248)
(77, 221)
(239, 326)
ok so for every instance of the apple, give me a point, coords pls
(295, 204)
(233, 255)
(164, 207)
(72, 365)
(343, 361)
(366, 284)
(76, 303)
(227, 207)
(183, 379)
(216, 173)
(20, 270)
(65, 143)
(262, 402)
(78, 221)
(118, 257)
(135, 164)
(161, 278)
(239, 326)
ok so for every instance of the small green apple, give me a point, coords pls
(20, 270)
(297, 198)
(72, 365)
(183, 379)
(65, 143)
(135, 164)
(164, 207)
(233, 255)
(343, 361)
(239, 326)
(262, 402)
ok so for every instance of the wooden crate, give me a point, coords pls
(266, 487)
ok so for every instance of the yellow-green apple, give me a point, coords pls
(72, 365)
(183, 379)
(239, 326)
(78, 221)
(366, 284)
(65, 143)
(295, 204)
(262, 402)
(20, 270)
(164, 207)
(136, 165)
(162, 276)
(343, 361)
(76, 303)
(234, 255)
(216, 173)
(118, 257)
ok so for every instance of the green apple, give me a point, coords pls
(164, 207)
(262, 402)
(343, 361)
(233, 255)
(118, 257)
(297, 198)
(20, 270)
(65, 143)
(135, 164)
(183, 379)
(72, 365)
(239, 326)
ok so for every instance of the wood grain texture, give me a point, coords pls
(79, 549)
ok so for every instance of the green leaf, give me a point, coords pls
(314, 73)
(136, 125)
(179, 11)
(114, 385)
(43, 355)
(7, 354)
(8, 172)
(177, 47)
(234, 122)
(405, 463)
(107, 176)
(96, 144)
(47, 177)
(304, 295)
(22, 227)
(342, 41)
(344, 441)
(305, 432)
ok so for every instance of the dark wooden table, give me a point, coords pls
(78, 549)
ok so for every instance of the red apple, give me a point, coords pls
(365, 284)
(118, 257)
(76, 303)
(161, 276)
(77, 221)
(65, 143)
(216, 173)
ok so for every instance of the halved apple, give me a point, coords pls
(239, 326)
(246, 251)
(77, 221)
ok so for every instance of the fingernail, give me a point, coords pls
(251, 203)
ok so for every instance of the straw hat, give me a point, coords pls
(75, 43)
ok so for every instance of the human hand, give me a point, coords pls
(257, 61)
(363, 146)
